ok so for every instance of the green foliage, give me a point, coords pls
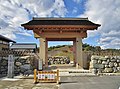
(86, 47)
(67, 54)
(53, 47)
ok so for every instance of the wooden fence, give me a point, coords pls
(46, 76)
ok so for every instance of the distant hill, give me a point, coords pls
(86, 47)
(64, 50)
(67, 50)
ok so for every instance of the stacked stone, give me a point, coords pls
(3, 65)
(58, 60)
(105, 64)
(21, 65)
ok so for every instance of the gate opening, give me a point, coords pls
(60, 53)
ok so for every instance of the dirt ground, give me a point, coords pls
(76, 82)
(6, 83)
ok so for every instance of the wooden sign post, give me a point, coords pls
(10, 66)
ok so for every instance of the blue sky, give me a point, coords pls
(74, 9)
(16, 12)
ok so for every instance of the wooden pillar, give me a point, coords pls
(46, 53)
(43, 51)
(10, 66)
(74, 51)
(79, 52)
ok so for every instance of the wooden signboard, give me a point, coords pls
(46, 76)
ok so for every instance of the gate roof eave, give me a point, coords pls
(60, 22)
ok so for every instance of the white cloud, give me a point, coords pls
(3, 24)
(74, 10)
(107, 13)
(70, 42)
(15, 12)
(59, 8)
(8, 32)
(77, 1)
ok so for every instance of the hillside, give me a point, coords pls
(61, 51)
(67, 50)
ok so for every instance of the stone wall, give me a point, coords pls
(3, 66)
(58, 60)
(107, 64)
(23, 64)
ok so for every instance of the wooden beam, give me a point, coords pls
(60, 39)
(61, 31)
(40, 31)
(63, 35)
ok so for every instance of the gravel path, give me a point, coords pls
(24, 84)
(99, 82)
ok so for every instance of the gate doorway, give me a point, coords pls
(61, 53)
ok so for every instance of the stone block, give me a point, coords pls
(18, 63)
(49, 63)
(107, 57)
(115, 64)
(27, 61)
(26, 66)
(118, 57)
(113, 60)
(4, 63)
(106, 66)
(118, 68)
(94, 57)
(94, 61)
(98, 66)
(108, 70)
(67, 61)
(115, 69)
(100, 70)
(102, 58)
(94, 71)
(105, 62)
(108, 60)
(111, 64)
(27, 72)
(3, 70)
(0, 58)
(118, 60)
(119, 64)
(99, 61)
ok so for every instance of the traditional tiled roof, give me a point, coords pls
(60, 21)
(6, 39)
(23, 46)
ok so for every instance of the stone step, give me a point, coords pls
(109, 74)
(62, 74)
(74, 70)
(79, 71)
